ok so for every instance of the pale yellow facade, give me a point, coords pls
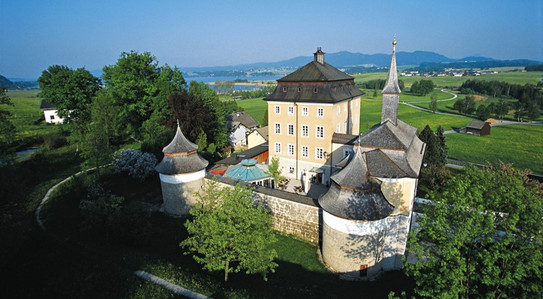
(254, 139)
(300, 134)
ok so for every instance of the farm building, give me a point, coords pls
(239, 125)
(478, 127)
(50, 113)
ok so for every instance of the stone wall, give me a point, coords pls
(293, 214)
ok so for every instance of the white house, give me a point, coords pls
(239, 125)
(50, 113)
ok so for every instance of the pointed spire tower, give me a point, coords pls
(391, 91)
(182, 173)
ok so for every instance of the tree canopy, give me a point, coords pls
(422, 87)
(140, 87)
(229, 232)
(7, 129)
(71, 91)
(480, 237)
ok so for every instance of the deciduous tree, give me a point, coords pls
(7, 129)
(480, 237)
(70, 90)
(228, 232)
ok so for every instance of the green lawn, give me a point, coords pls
(520, 145)
(255, 107)
(26, 114)
(510, 77)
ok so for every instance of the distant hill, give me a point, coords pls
(356, 61)
(4, 82)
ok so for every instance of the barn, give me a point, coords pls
(478, 127)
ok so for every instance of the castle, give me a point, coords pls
(362, 220)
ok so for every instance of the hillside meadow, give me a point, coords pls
(520, 78)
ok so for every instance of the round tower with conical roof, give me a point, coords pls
(354, 220)
(182, 173)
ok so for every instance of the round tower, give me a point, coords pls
(182, 173)
(354, 221)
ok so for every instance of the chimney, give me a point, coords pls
(319, 56)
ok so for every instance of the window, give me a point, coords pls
(305, 111)
(299, 89)
(338, 128)
(290, 129)
(52, 117)
(338, 110)
(284, 89)
(277, 128)
(305, 151)
(345, 126)
(305, 131)
(290, 110)
(278, 147)
(319, 153)
(351, 103)
(320, 132)
(291, 149)
(277, 109)
(315, 90)
(346, 152)
(291, 169)
(345, 107)
(320, 112)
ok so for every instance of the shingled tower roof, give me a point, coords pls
(391, 91)
(180, 156)
(354, 194)
(317, 82)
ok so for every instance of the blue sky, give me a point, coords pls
(91, 34)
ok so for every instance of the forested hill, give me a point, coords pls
(4, 82)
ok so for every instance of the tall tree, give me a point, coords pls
(229, 233)
(70, 90)
(7, 129)
(480, 237)
(199, 109)
(140, 87)
(433, 103)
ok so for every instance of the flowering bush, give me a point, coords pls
(139, 165)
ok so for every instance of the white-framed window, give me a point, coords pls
(338, 128)
(320, 132)
(277, 127)
(277, 109)
(305, 151)
(351, 103)
(305, 131)
(305, 111)
(345, 126)
(278, 147)
(290, 130)
(290, 110)
(354, 119)
(319, 153)
(320, 112)
(345, 107)
(291, 149)
(285, 89)
(356, 102)
(338, 110)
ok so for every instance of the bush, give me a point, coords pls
(137, 164)
(53, 140)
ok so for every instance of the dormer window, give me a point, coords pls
(315, 89)
(284, 89)
(299, 89)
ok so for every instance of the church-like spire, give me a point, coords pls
(392, 85)
(391, 91)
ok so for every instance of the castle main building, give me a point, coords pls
(305, 110)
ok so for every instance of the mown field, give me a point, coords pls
(517, 144)
(511, 77)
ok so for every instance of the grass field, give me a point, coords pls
(517, 144)
(511, 77)
(255, 107)
(26, 114)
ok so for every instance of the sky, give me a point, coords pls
(91, 34)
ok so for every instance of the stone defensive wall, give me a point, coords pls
(293, 214)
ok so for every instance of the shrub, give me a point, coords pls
(53, 140)
(137, 164)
